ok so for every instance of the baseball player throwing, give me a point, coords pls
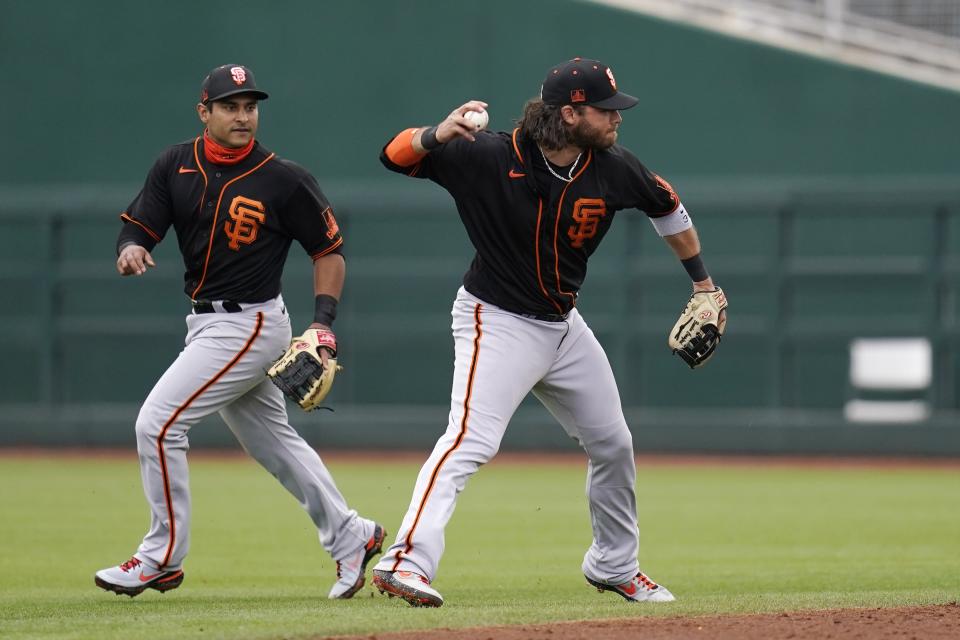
(236, 208)
(536, 203)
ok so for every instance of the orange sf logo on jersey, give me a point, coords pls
(247, 216)
(587, 213)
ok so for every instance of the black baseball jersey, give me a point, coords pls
(533, 232)
(234, 223)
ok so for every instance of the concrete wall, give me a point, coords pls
(826, 198)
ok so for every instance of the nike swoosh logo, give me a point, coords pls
(185, 170)
(516, 174)
(145, 578)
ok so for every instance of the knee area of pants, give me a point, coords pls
(485, 456)
(149, 423)
(625, 443)
(616, 447)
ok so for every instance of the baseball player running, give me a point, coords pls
(236, 207)
(535, 203)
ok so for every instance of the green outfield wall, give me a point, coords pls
(826, 196)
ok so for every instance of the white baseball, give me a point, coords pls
(479, 119)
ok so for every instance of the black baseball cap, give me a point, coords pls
(229, 80)
(583, 81)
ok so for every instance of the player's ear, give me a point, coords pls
(568, 113)
(204, 112)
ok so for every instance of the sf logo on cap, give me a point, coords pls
(613, 82)
(239, 75)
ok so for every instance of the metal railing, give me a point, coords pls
(892, 37)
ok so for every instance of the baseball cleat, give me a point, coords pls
(350, 570)
(133, 577)
(410, 586)
(639, 589)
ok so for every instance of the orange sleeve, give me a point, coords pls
(400, 151)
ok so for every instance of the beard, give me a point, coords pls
(587, 136)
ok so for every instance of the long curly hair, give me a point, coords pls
(543, 124)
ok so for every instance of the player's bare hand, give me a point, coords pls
(456, 126)
(134, 260)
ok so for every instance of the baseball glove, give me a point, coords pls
(697, 332)
(300, 373)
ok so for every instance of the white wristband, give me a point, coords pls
(672, 223)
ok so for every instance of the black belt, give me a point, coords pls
(546, 317)
(205, 306)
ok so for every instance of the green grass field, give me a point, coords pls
(724, 539)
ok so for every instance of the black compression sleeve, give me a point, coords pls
(695, 268)
(324, 309)
(428, 139)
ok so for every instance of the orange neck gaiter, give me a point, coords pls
(218, 154)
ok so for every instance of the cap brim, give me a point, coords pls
(617, 101)
(259, 95)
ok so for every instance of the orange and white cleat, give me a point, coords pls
(351, 570)
(134, 576)
(640, 588)
(412, 587)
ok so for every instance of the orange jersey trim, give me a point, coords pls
(173, 418)
(674, 198)
(213, 227)
(400, 151)
(556, 230)
(316, 256)
(536, 255)
(536, 238)
(196, 158)
(126, 218)
(478, 328)
(516, 147)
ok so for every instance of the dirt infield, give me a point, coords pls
(933, 622)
